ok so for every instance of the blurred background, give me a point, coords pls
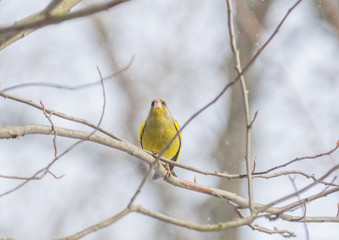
(181, 54)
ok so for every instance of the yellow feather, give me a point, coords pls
(140, 133)
(157, 131)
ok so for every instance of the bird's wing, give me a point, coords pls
(176, 156)
(141, 132)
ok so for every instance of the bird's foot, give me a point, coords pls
(168, 170)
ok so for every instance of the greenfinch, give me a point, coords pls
(158, 130)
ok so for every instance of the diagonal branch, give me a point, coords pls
(20, 29)
(98, 226)
(7, 37)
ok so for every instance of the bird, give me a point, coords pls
(157, 131)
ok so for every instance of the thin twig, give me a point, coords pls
(304, 206)
(294, 172)
(255, 116)
(48, 116)
(93, 132)
(300, 191)
(59, 114)
(301, 158)
(143, 182)
(46, 170)
(272, 36)
(98, 226)
(254, 165)
(67, 87)
(246, 105)
(284, 233)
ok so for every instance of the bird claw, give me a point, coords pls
(168, 170)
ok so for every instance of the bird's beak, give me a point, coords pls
(157, 104)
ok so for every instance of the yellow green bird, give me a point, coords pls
(158, 130)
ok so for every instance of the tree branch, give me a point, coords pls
(59, 114)
(98, 226)
(56, 7)
(234, 199)
(246, 106)
(51, 15)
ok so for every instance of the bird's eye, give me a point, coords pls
(152, 104)
(163, 102)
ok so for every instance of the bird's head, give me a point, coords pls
(159, 108)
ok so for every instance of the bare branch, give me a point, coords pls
(56, 157)
(255, 116)
(301, 158)
(46, 17)
(143, 182)
(98, 226)
(293, 172)
(301, 191)
(246, 105)
(256, 227)
(56, 7)
(304, 206)
(67, 87)
(48, 116)
(198, 227)
(59, 114)
(17, 131)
